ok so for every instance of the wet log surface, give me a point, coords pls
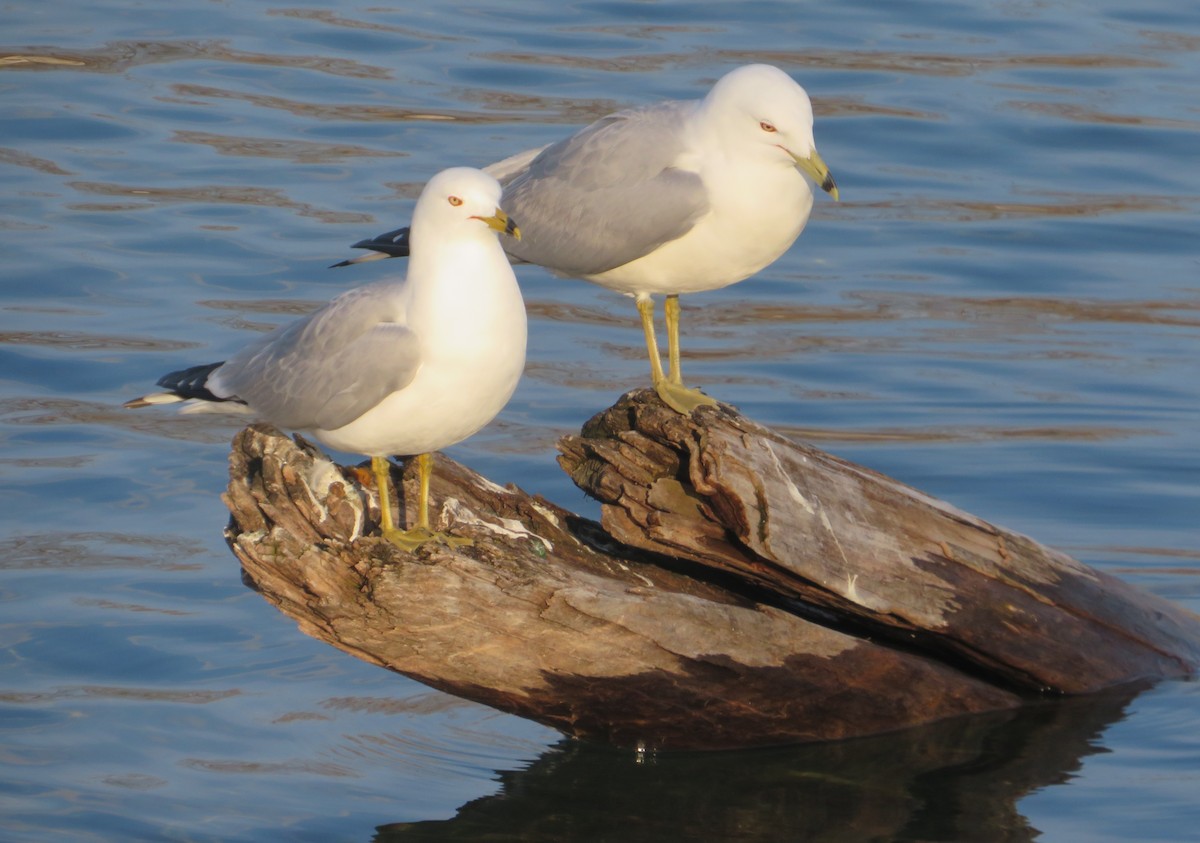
(742, 590)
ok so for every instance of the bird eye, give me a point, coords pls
(455, 201)
(766, 127)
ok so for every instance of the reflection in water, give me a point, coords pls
(953, 781)
(1004, 312)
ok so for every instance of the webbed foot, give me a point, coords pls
(682, 399)
(410, 540)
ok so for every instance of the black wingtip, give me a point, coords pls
(192, 382)
(390, 244)
(394, 244)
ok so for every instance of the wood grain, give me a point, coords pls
(742, 590)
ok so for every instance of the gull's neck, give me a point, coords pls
(461, 282)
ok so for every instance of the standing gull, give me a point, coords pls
(671, 198)
(397, 368)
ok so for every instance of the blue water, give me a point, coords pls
(1004, 311)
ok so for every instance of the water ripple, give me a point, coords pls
(890, 61)
(122, 56)
(75, 692)
(17, 158)
(76, 550)
(329, 18)
(209, 195)
(77, 341)
(547, 109)
(298, 151)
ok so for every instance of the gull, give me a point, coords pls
(399, 368)
(670, 198)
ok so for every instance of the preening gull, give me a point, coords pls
(670, 198)
(401, 368)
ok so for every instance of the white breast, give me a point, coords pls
(757, 213)
(473, 338)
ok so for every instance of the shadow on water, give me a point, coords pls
(958, 780)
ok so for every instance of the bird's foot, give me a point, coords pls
(410, 540)
(682, 399)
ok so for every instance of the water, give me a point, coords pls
(1003, 311)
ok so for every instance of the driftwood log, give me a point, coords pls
(742, 589)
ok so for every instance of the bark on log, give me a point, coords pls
(801, 598)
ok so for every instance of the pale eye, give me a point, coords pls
(455, 201)
(766, 127)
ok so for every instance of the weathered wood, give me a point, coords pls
(724, 492)
(535, 619)
(801, 598)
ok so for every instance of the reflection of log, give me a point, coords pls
(958, 780)
(801, 597)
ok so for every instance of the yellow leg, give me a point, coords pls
(382, 470)
(670, 388)
(645, 306)
(420, 534)
(671, 312)
(424, 472)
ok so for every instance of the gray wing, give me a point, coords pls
(608, 194)
(514, 165)
(328, 369)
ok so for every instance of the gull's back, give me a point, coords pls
(326, 370)
(608, 194)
